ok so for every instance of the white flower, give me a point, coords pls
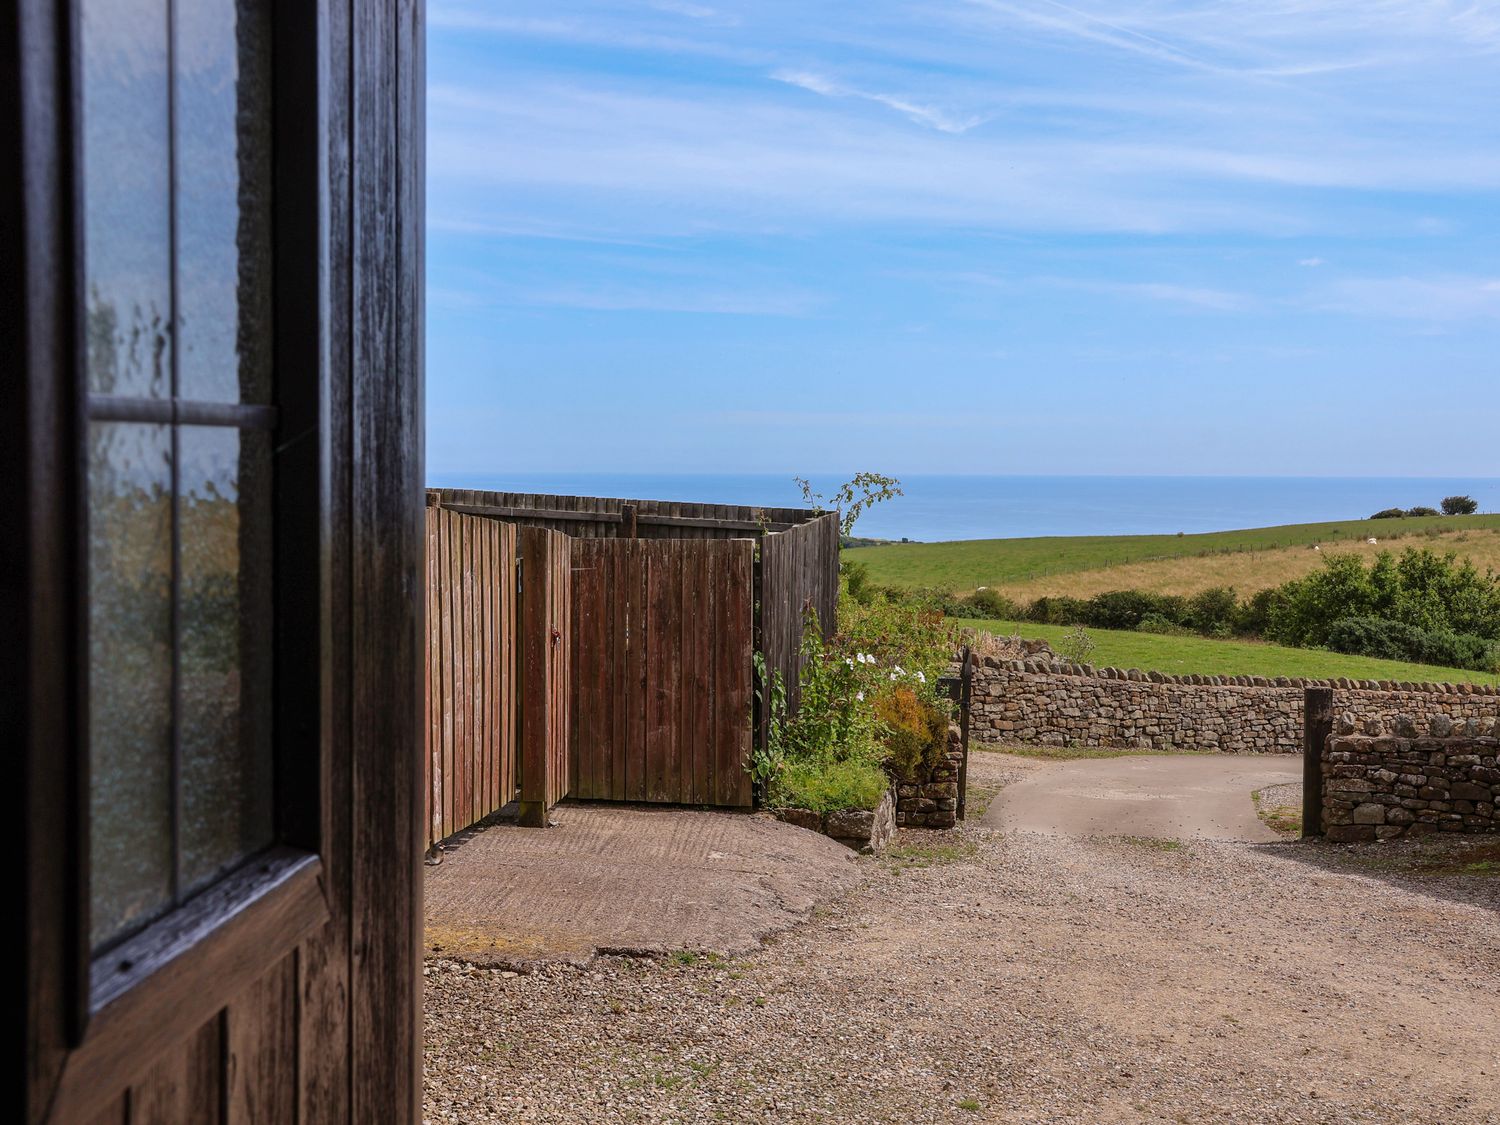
(900, 671)
(859, 695)
(849, 662)
(894, 676)
(922, 677)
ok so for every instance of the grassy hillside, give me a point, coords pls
(966, 564)
(1246, 571)
(1205, 656)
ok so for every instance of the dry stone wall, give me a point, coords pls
(1381, 781)
(1055, 703)
(929, 799)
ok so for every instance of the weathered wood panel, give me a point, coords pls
(602, 517)
(325, 1030)
(471, 671)
(662, 672)
(544, 658)
(799, 571)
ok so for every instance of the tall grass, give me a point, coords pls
(963, 565)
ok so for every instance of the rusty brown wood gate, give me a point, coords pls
(471, 670)
(663, 641)
(624, 668)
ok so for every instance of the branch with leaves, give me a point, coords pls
(851, 498)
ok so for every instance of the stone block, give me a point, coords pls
(1368, 814)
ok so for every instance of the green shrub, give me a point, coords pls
(1389, 514)
(916, 731)
(1396, 640)
(991, 604)
(824, 786)
(1419, 510)
(1058, 611)
(1126, 609)
(856, 582)
(1156, 623)
(1213, 612)
(1459, 505)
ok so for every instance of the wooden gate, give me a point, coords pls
(799, 570)
(663, 639)
(471, 670)
(545, 630)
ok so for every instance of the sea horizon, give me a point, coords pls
(942, 507)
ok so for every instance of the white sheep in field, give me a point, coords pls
(1372, 541)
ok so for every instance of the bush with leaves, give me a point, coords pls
(916, 731)
(1422, 589)
(1395, 640)
(1459, 505)
(851, 499)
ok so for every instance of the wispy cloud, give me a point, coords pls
(1310, 263)
(1445, 298)
(665, 300)
(897, 420)
(922, 114)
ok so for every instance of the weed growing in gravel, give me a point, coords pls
(979, 799)
(1285, 819)
(1155, 843)
(970, 1104)
(929, 855)
(684, 957)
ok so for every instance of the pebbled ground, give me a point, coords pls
(985, 975)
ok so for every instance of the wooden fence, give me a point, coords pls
(603, 517)
(623, 669)
(471, 670)
(799, 570)
(546, 646)
(663, 639)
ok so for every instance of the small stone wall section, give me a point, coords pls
(930, 799)
(867, 831)
(1054, 703)
(1381, 782)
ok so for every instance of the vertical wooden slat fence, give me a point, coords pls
(545, 660)
(663, 636)
(799, 568)
(623, 668)
(471, 670)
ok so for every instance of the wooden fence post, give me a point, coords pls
(965, 687)
(543, 613)
(1317, 725)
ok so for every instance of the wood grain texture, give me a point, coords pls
(184, 1084)
(387, 637)
(545, 648)
(659, 626)
(260, 1053)
(799, 572)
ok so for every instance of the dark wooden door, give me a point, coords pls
(210, 473)
(662, 670)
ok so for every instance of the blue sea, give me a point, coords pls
(937, 508)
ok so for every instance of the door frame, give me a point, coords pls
(347, 167)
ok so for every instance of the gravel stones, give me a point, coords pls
(1044, 979)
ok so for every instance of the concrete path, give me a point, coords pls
(619, 878)
(1181, 797)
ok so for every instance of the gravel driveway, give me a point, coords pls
(984, 976)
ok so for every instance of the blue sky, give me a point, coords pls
(987, 236)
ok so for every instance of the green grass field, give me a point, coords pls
(966, 564)
(1205, 656)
